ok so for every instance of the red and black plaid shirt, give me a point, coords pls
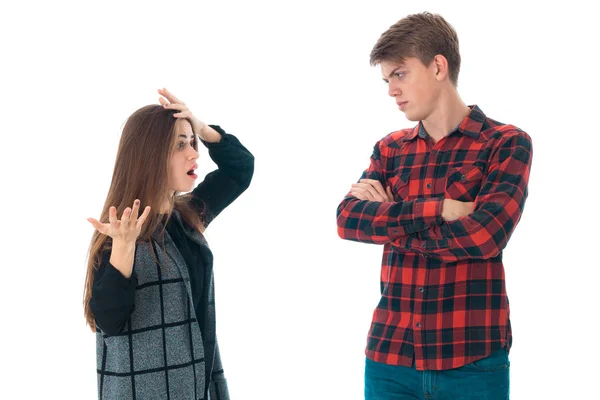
(443, 296)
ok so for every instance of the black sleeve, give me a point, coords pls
(113, 297)
(222, 186)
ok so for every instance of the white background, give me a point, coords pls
(292, 80)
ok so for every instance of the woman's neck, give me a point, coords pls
(167, 205)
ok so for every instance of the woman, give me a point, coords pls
(149, 292)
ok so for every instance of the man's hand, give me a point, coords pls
(454, 209)
(371, 190)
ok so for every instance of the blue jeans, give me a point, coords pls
(485, 379)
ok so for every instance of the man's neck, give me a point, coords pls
(448, 114)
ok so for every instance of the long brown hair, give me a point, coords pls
(141, 172)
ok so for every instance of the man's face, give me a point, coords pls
(413, 85)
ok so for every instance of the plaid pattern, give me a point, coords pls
(160, 354)
(443, 296)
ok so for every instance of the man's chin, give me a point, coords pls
(412, 117)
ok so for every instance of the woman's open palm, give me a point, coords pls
(125, 230)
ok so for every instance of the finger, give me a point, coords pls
(388, 190)
(143, 217)
(365, 189)
(170, 96)
(163, 102)
(366, 194)
(184, 114)
(112, 214)
(371, 190)
(162, 93)
(470, 208)
(125, 216)
(362, 185)
(135, 209)
(175, 106)
(376, 185)
(358, 195)
(102, 228)
(368, 185)
(465, 207)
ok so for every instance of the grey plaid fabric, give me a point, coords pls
(160, 353)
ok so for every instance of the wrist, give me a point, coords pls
(210, 135)
(444, 209)
(122, 257)
(123, 245)
(200, 128)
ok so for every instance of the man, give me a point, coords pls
(443, 198)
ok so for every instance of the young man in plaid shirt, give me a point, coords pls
(443, 198)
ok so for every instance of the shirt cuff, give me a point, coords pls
(114, 278)
(428, 212)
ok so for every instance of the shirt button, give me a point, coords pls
(435, 152)
(421, 289)
(429, 186)
(424, 255)
(418, 325)
(463, 178)
(432, 224)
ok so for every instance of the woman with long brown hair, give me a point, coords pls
(149, 291)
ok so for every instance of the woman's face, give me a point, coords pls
(182, 166)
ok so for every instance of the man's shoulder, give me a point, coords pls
(395, 139)
(494, 130)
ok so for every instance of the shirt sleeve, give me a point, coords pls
(113, 297)
(233, 176)
(380, 223)
(498, 207)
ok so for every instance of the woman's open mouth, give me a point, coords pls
(191, 174)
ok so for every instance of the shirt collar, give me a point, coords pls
(471, 125)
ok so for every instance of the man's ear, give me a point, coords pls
(441, 67)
